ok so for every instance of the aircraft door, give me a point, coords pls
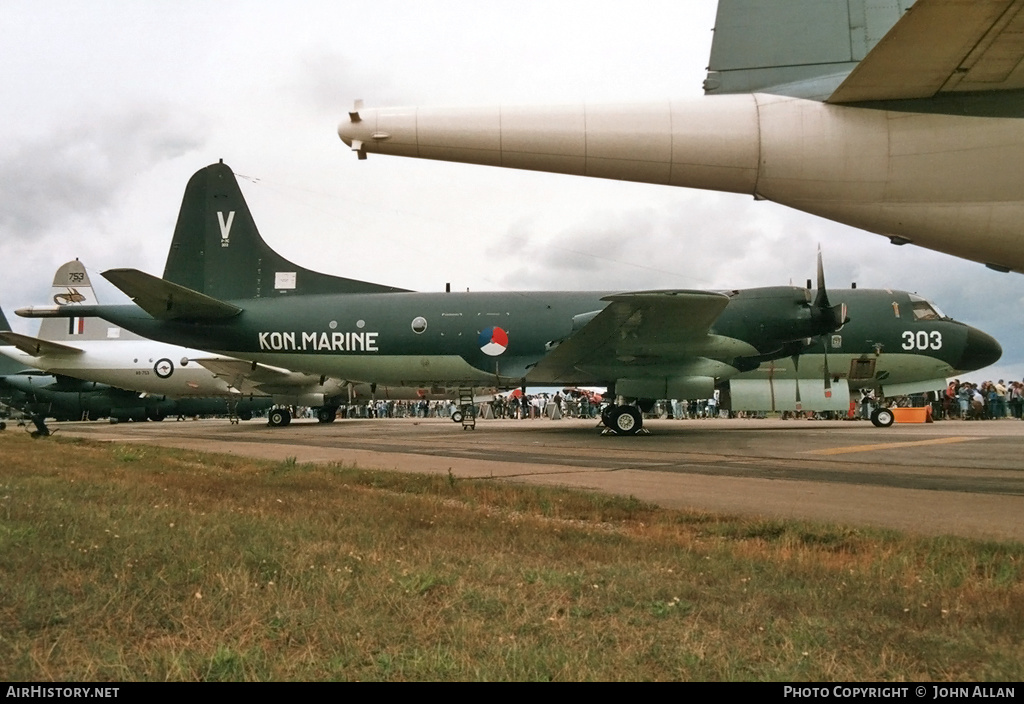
(862, 369)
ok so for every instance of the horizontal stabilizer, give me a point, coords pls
(35, 347)
(166, 301)
(942, 46)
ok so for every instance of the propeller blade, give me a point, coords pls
(833, 317)
(828, 377)
(796, 375)
(821, 300)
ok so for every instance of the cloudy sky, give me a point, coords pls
(109, 107)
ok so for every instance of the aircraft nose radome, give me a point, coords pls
(980, 351)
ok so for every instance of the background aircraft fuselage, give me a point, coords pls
(66, 399)
(449, 338)
(140, 365)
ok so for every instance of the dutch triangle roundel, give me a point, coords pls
(493, 341)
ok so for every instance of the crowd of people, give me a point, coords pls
(960, 400)
(985, 401)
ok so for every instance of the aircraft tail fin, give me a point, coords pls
(218, 251)
(801, 48)
(71, 289)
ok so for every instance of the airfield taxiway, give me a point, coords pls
(949, 477)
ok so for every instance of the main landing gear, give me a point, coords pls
(622, 420)
(326, 414)
(279, 417)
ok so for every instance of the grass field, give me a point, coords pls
(122, 562)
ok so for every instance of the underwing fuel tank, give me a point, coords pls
(915, 177)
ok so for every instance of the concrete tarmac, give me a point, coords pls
(950, 477)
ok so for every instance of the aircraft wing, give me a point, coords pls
(168, 301)
(36, 347)
(249, 377)
(942, 46)
(648, 327)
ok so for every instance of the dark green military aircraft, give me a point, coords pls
(64, 398)
(224, 290)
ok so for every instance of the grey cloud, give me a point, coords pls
(79, 171)
(329, 82)
(688, 245)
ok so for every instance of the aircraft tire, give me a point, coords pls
(608, 415)
(3, 426)
(326, 414)
(457, 417)
(278, 417)
(882, 417)
(245, 415)
(627, 420)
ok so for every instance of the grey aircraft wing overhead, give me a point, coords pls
(902, 118)
(980, 51)
(640, 345)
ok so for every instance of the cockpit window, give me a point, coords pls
(924, 310)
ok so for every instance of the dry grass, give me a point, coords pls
(137, 563)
